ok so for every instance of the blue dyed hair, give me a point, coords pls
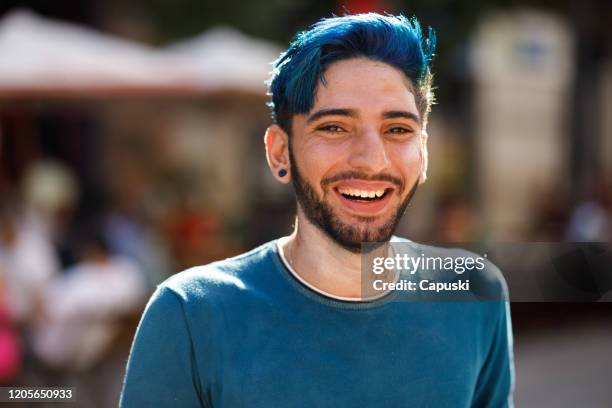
(395, 40)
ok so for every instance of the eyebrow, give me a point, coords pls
(331, 112)
(401, 114)
(352, 113)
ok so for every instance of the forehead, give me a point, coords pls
(365, 86)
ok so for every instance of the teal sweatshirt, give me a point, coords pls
(245, 333)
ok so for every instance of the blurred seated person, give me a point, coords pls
(28, 263)
(85, 307)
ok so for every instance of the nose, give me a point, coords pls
(368, 152)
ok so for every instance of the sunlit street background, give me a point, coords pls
(131, 147)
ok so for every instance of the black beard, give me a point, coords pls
(347, 236)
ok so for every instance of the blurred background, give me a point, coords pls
(131, 147)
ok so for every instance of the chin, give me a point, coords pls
(368, 223)
(353, 234)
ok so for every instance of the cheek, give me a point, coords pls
(317, 159)
(408, 159)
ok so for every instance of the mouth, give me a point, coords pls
(363, 199)
(364, 196)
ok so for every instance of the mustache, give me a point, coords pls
(358, 175)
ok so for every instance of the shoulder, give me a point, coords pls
(218, 278)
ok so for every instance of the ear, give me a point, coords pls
(277, 152)
(424, 156)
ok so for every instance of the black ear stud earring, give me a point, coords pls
(282, 173)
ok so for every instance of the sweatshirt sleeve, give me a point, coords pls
(496, 380)
(161, 368)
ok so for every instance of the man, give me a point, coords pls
(288, 324)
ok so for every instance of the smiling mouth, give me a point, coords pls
(364, 196)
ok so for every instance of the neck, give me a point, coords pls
(321, 262)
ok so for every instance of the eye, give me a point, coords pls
(400, 130)
(331, 129)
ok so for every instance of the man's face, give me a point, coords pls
(357, 156)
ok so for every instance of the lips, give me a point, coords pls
(357, 194)
(364, 197)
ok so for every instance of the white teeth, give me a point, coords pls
(361, 193)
